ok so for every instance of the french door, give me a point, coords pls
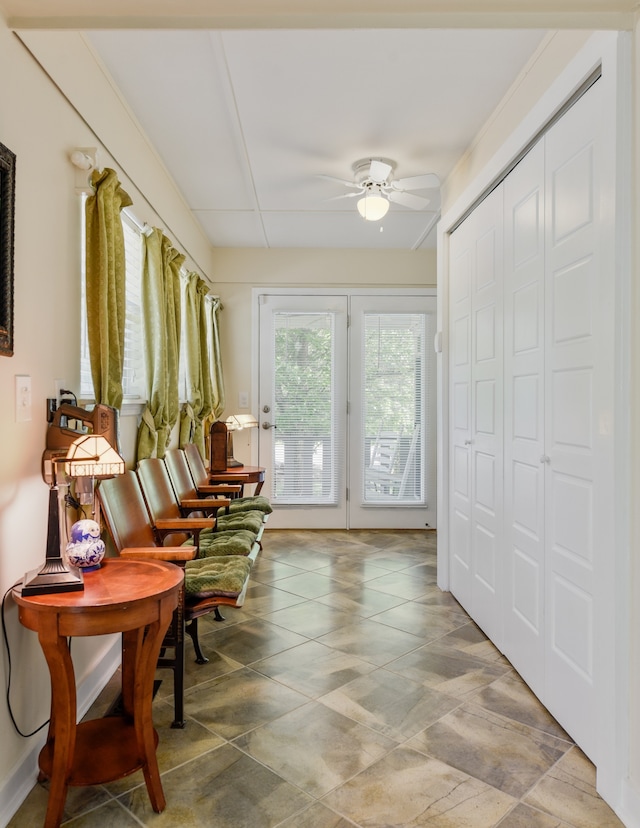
(347, 409)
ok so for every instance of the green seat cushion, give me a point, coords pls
(211, 577)
(244, 504)
(251, 520)
(238, 542)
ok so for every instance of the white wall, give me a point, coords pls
(236, 272)
(548, 61)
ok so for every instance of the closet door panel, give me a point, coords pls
(575, 410)
(460, 394)
(487, 416)
(524, 496)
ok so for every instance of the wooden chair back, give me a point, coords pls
(125, 512)
(157, 489)
(179, 474)
(196, 465)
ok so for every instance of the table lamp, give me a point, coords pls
(236, 422)
(89, 456)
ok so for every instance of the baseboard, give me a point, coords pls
(19, 783)
(629, 810)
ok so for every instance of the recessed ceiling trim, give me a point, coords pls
(579, 92)
(606, 16)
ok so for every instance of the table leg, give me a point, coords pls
(62, 731)
(144, 650)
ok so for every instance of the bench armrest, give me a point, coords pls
(159, 553)
(202, 505)
(184, 524)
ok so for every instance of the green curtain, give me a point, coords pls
(218, 400)
(199, 402)
(105, 285)
(161, 315)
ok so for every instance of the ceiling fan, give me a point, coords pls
(374, 185)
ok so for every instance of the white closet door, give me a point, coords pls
(477, 260)
(461, 255)
(487, 437)
(525, 465)
(578, 412)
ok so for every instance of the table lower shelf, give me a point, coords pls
(105, 750)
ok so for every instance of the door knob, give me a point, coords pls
(267, 426)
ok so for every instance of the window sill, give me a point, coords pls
(130, 408)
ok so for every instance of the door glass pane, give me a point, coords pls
(306, 453)
(393, 413)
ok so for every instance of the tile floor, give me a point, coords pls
(349, 691)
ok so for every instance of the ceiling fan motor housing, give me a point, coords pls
(363, 174)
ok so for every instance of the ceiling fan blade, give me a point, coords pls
(407, 200)
(344, 195)
(417, 182)
(339, 180)
(379, 171)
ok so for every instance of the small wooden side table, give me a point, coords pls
(241, 475)
(137, 599)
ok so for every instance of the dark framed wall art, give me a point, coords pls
(7, 218)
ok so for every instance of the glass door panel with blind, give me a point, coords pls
(303, 407)
(347, 425)
(392, 422)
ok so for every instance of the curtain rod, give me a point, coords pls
(85, 159)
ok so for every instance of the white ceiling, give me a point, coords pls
(246, 121)
(249, 101)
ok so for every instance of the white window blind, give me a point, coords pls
(134, 373)
(305, 446)
(133, 377)
(394, 394)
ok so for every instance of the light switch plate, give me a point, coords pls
(23, 398)
(243, 399)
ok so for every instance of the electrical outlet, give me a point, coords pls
(23, 398)
(59, 384)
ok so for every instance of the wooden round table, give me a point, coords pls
(137, 599)
(241, 475)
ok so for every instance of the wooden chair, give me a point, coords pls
(186, 488)
(128, 523)
(214, 533)
(201, 480)
(199, 470)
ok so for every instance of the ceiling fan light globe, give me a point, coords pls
(373, 207)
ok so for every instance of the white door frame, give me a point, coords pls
(612, 51)
(256, 292)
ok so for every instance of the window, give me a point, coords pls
(133, 377)
(394, 394)
(304, 460)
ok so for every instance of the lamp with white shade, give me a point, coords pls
(237, 422)
(89, 456)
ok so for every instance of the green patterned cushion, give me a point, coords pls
(239, 542)
(251, 520)
(210, 577)
(244, 504)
